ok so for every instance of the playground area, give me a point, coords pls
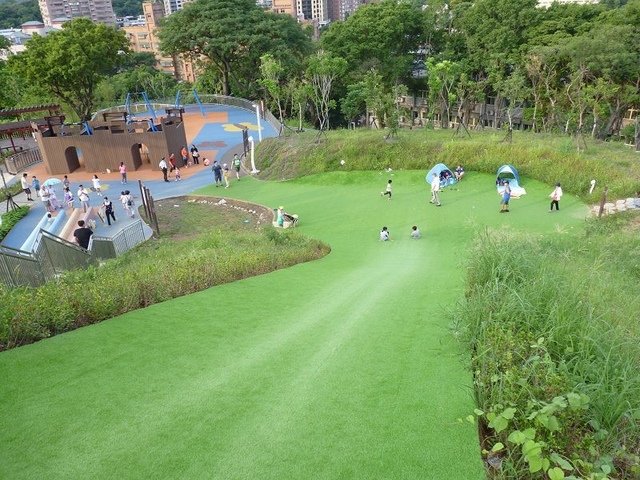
(338, 368)
(216, 130)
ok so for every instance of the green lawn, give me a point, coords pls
(339, 368)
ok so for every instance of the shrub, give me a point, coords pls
(152, 273)
(552, 328)
(9, 220)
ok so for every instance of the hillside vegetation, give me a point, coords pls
(548, 158)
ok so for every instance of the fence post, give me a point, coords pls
(144, 199)
(603, 201)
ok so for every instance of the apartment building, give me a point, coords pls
(143, 38)
(172, 6)
(100, 11)
(285, 6)
(317, 10)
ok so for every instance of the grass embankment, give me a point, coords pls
(202, 245)
(548, 158)
(9, 219)
(553, 328)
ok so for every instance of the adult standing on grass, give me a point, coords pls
(217, 173)
(236, 164)
(123, 172)
(556, 195)
(435, 191)
(24, 183)
(165, 168)
(506, 196)
(82, 235)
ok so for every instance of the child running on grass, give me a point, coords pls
(556, 195)
(387, 191)
(384, 233)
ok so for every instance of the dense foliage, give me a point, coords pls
(70, 63)
(552, 326)
(14, 13)
(9, 219)
(232, 35)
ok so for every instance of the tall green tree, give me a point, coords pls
(384, 36)
(71, 62)
(323, 70)
(231, 35)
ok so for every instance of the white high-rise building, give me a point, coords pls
(313, 10)
(100, 11)
(171, 6)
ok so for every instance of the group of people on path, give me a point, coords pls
(187, 159)
(222, 171)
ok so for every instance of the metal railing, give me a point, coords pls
(53, 255)
(18, 161)
(189, 99)
(121, 242)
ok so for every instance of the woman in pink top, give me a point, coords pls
(123, 172)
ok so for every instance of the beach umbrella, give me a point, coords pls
(50, 182)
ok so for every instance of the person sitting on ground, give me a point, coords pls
(82, 235)
(415, 232)
(384, 234)
(459, 173)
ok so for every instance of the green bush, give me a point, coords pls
(9, 220)
(14, 189)
(154, 272)
(552, 327)
(548, 158)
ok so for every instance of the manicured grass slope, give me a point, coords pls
(339, 368)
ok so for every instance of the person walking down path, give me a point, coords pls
(53, 199)
(217, 173)
(165, 168)
(195, 154)
(108, 210)
(172, 162)
(123, 173)
(556, 195)
(384, 234)
(185, 157)
(415, 232)
(65, 182)
(82, 235)
(68, 198)
(128, 203)
(435, 191)
(44, 198)
(236, 165)
(96, 185)
(226, 173)
(387, 190)
(24, 183)
(35, 184)
(506, 196)
(83, 196)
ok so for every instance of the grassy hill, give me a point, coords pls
(548, 158)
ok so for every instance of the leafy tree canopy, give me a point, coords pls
(232, 35)
(384, 36)
(13, 14)
(70, 63)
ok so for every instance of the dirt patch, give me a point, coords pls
(188, 216)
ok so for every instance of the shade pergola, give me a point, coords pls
(23, 127)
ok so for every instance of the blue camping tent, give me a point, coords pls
(509, 172)
(437, 171)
